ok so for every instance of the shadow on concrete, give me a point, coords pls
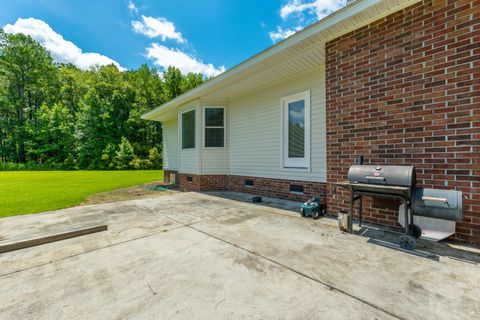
(266, 201)
(386, 237)
(425, 249)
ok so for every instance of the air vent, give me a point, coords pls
(249, 183)
(296, 188)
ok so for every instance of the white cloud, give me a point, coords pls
(165, 57)
(157, 27)
(281, 34)
(306, 11)
(132, 7)
(318, 8)
(62, 50)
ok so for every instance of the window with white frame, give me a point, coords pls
(296, 131)
(188, 129)
(214, 127)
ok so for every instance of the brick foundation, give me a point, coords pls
(406, 90)
(193, 182)
(276, 188)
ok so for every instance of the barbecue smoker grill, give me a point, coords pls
(398, 182)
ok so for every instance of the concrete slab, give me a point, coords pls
(196, 256)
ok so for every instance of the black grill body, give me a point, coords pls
(399, 182)
(404, 176)
(438, 204)
(393, 182)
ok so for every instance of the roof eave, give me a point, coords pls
(332, 19)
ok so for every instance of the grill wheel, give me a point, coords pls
(407, 242)
(415, 231)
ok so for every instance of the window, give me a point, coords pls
(296, 131)
(214, 127)
(188, 129)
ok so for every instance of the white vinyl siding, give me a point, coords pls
(170, 145)
(254, 128)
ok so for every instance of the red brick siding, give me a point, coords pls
(278, 188)
(406, 90)
(185, 185)
(214, 182)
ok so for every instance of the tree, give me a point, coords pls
(53, 135)
(29, 77)
(124, 155)
(173, 83)
(60, 116)
(155, 158)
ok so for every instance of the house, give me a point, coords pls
(397, 81)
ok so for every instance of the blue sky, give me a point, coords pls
(206, 36)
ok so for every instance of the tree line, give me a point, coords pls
(57, 116)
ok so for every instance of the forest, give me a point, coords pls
(56, 116)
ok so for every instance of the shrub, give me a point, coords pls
(108, 156)
(155, 158)
(140, 164)
(124, 155)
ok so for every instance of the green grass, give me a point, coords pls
(24, 192)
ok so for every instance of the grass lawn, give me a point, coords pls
(24, 192)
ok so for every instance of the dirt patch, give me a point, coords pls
(130, 193)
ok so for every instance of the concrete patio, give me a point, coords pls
(216, 256)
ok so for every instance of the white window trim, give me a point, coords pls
(296, 164)
(204, 127)
(181, 129)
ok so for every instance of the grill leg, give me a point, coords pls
(350, 222)
(360, 212)
(407, 223)
(411, 217)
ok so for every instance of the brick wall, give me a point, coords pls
(214, 182)
(193, 182)
(406, 90)
(189, 182)
(278, 188)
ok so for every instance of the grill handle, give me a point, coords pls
(434, 199)
(375, 178)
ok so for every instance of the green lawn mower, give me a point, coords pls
(312, 208)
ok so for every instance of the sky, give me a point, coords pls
(203, 36)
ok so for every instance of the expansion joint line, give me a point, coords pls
(329, 286)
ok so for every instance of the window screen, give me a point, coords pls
(296, 129)
(214, 127)
(188, 130)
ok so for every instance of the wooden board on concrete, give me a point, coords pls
(6, 247)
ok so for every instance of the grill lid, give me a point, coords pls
(383, 175)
